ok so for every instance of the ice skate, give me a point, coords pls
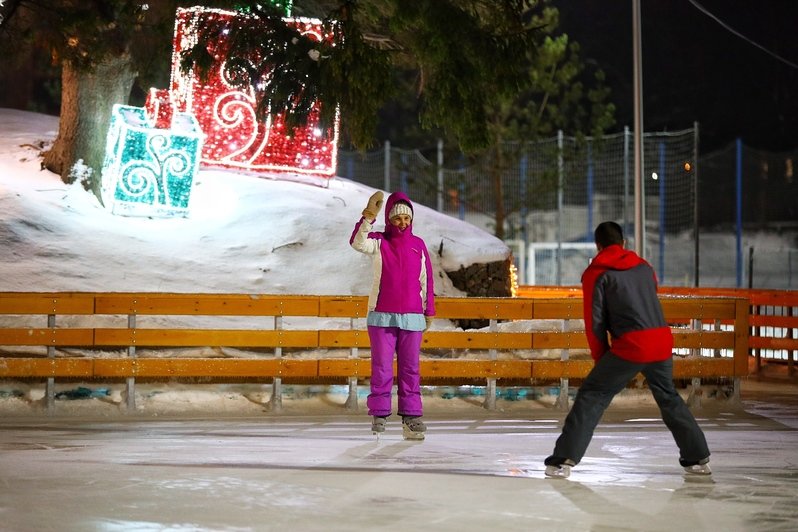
(378, 425)
(413, 428)
(699, 468)
(560, 471)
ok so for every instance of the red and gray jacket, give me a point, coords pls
(403, 280)
(620, 299)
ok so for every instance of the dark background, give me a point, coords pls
(694, 69)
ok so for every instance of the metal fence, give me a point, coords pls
(554, 191)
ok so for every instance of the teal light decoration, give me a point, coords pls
(287, 6)
(149, 171)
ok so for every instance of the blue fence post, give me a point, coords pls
(662, 205)
(626, 161)
(589, 230)
(739, 229)
(522, 164)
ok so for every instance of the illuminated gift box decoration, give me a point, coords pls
(149, 171)
(226, 113)
(160, 108)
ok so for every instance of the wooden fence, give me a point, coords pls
(79, 321)
(772, 317)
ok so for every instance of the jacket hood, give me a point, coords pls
(391, 201)
(615, 257)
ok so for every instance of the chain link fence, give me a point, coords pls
(550, 195)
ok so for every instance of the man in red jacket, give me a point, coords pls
(627, 334)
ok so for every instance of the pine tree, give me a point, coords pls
(466, 55)
(562, 94)
(100, 46)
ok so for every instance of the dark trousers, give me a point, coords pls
(608, 377)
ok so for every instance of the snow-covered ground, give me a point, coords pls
(244, 234)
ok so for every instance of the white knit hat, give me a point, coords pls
(400, 208)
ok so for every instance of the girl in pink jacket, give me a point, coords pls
(401, 306)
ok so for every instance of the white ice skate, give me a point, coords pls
(413, 428)
(377, 425)
(560, 471)
(698, 469)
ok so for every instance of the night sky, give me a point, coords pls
(694, 69)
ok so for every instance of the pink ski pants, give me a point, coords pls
(406, 344)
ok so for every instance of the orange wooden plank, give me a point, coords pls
(704, 339)
(765, 342)
(559, 340)
(343, 306)
(205, 367)
(774, 298)
(561, 369)
(346, 367)
(786, 322)
(570, 308)
(476, 340)
(344, 338)
(483, 308)
(47, 336)
(208, 304)
(687, 368)
(46, 367)
(697, 308)
(46, 303)
(205, 337)
(549, 292)
(434, 339)
(476, 369)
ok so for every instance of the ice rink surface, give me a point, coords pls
(477, 470)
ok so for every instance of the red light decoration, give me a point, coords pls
(226, 113)
(159, 108)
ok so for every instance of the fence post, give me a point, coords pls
(351, 399)
(130, 382)
(694, 397)
(754, 311)
(589, 185)
(739, 201)
(560, 177)
(625, 181)
(522, 168)
(50, 388)
(565, 354)
(490, 389)
(790, 333)
(662, 207)
(277, 383)
(695, 205)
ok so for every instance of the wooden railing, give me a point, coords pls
(772, 316)
(67, 322)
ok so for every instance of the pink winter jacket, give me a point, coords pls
(403, 279)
